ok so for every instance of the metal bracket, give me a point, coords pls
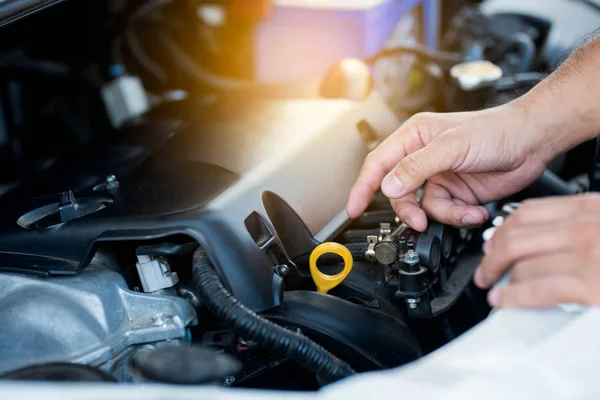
(385, 228)
(370, 253)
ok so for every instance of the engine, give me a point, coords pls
(160, 213)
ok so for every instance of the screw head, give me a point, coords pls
(283, 270)
(229, 380)
(111, 182)
(411, 257)
(412, 302)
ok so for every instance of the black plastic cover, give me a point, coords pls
(367, 339)
(230, 161)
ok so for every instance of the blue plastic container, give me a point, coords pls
(303, 42)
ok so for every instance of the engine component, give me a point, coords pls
(422, 267)
(251, 326)
(557, 16)
(59, 372)
(373, 219)
(125, 99)
(68, 208)
(324, 282)
(367, 338)
(476, 75)
(474, 82)
(412, 279)
(87, 319)
(183, 365)
(444, 235)
(201, 186)
(155, 273)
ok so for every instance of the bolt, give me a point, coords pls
(283, 270)
(411, 258)
(412, 302)
(160, 319)
(111, 182)
(229, 380)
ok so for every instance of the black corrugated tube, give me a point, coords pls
(372, 219)
(251, 326)
(359, 235)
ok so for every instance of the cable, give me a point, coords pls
(372, 219)
(251, 326)
(138, 52)
(440, 57)
(199, 73)
(358, 235)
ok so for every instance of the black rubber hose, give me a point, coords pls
(372, 219)
(358, 235)
(357, 250)
(251, 326)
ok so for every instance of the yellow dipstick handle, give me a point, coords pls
(323, 281)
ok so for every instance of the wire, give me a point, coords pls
(199, 73)
(440, 57)
(140, 55)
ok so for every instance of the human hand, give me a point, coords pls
(552, 247)
(467, 158)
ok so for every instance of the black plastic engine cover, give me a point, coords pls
(274, 160)
(366, 338)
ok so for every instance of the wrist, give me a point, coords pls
(553, 123)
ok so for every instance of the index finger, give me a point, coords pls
(376, 166)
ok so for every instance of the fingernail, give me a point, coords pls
(487, 247)
(469, 219)
(392, 186)
(478, 278)
(408, 221)
(494, 297)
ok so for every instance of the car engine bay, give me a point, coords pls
(159, 207)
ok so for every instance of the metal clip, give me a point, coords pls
(385, 228)
(370, 253)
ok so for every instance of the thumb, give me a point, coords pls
(413, 170)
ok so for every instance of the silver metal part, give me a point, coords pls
(370, 253)
(111, 182)
(385, 228)
(411, 258)
(91, 318)
(413, 302)
(155, 273)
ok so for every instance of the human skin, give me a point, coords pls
(470, 158)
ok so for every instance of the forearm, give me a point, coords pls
(564, 109)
